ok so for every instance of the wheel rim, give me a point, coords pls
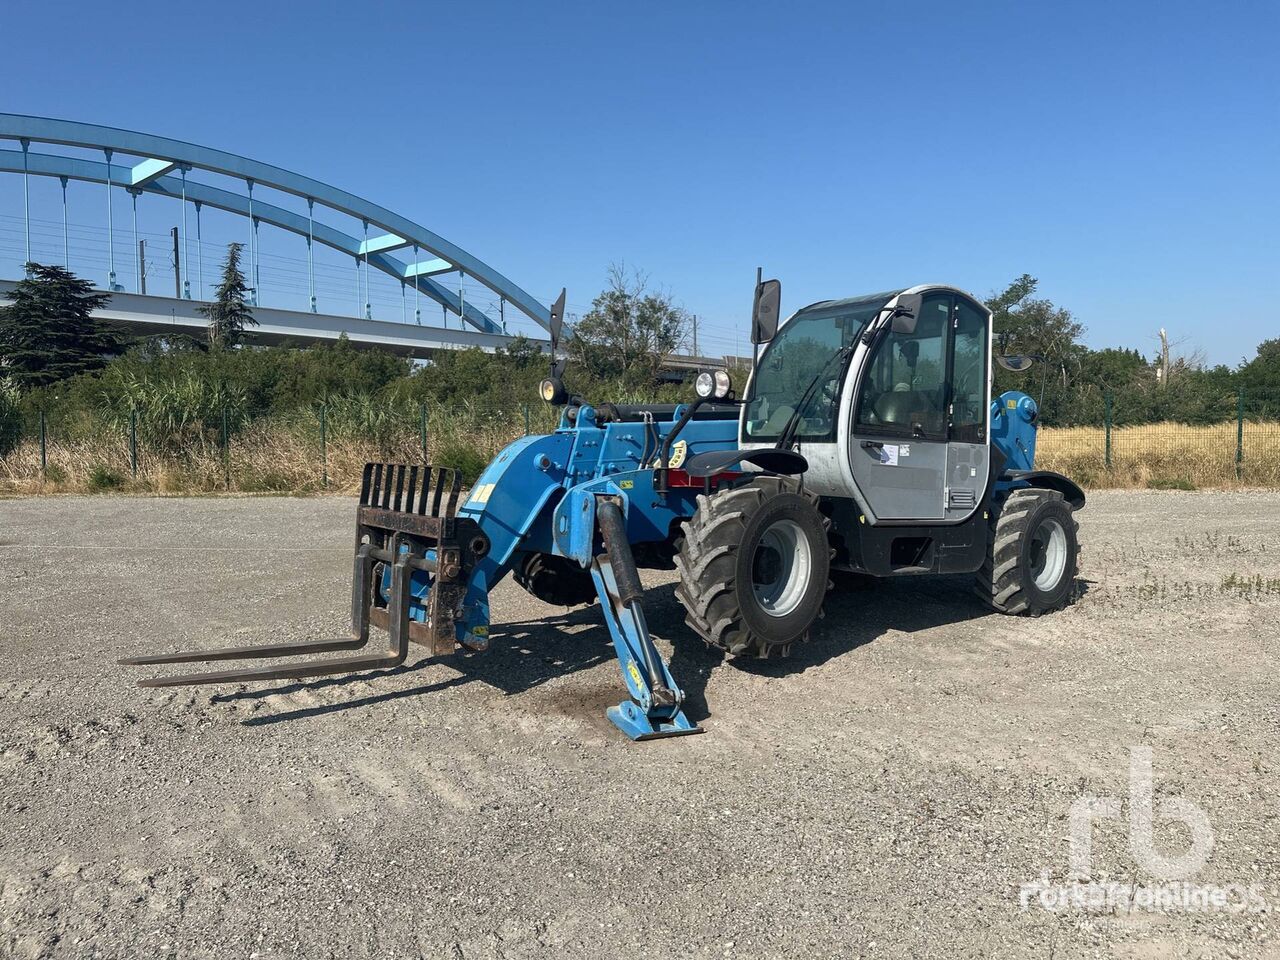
(780, 568)
(1048, 554)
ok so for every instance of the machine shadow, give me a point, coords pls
(526, 654)
(522, 655)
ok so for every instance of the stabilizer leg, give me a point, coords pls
(656, 710)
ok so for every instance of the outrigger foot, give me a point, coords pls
(637, 725)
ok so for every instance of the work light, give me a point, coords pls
(715, 384)
(552, 390)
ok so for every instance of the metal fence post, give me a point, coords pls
(422, 430)
(526, 419)
(1107, 423)
(324, 450)
(44, 449)
(226, 451)
(1240, 434)
(133, 443)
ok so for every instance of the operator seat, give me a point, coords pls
(903, 408)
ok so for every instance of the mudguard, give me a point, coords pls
(708, 464)
(1047, 480)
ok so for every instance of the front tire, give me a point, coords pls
(754, 567)
(1033, 555)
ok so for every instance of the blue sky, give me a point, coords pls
(1127, 154)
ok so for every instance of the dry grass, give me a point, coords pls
(281, 457)
(264, 458)
(1163, 455)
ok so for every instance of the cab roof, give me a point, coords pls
(875, 300)
(847, 304)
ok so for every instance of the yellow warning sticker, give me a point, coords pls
(480, 631)
(481, 494)
(678, 453)
(635, 673)
(626, 484)
(1011, 403)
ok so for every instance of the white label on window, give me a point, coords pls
(904, 450)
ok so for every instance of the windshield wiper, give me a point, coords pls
(789, 429)
(868, 332)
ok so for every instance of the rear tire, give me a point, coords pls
(1033, 555)
(753, 567)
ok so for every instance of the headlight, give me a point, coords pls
(717, 385)
(724, 385)
(552, 391)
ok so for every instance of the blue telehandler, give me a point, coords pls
(864, 441)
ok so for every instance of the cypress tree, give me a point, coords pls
(229, 313)
(48, 332)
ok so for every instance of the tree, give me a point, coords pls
(49, 333)
(229, 313)
(1260, 380)
(1025, 325)
(629, 331)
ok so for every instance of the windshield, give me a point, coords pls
(795, 356)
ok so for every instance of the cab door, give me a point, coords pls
(899, 449)
(920, 447)
(968, 453)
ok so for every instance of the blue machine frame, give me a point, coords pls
(542, 494)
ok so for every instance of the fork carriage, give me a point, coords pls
(413, 560)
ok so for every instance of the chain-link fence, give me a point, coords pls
(228, 449)
(1240, 448)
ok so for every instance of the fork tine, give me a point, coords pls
(248, 653)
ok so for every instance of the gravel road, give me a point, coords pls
(887, 792)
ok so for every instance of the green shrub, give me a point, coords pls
(461, 454)
(10, 417)
(102, 477)
(174, 411)
(1170, 483)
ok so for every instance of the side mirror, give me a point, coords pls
(905, 314)
(557, 321)
(1015, 362)
(764, 313)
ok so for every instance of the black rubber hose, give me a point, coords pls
(614, 530)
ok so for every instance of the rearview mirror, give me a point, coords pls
(557, 321)
(905, 313)
(764, 313)
(1015, 362)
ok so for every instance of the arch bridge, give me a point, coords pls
(147, 165)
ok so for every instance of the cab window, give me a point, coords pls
(969, 375)
(904, 393)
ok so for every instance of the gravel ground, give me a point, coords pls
(887, 792)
